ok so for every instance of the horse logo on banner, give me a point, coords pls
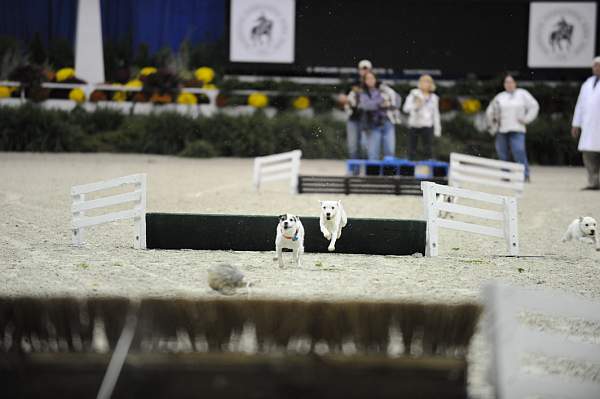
(561, 34)
(560, 38)
(261, 32)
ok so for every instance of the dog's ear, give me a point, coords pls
(321, 203)
(339, 203)
(580, 219)
(282, 217)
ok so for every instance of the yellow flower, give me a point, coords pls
(77, 95)
(258, 100)
(205, 74)
(209, 86)
(148, 71)
(64, 74)
(134, 83)
(187, 99)
(119, 96)
(301, 102)
(471, 106)
(4, 91)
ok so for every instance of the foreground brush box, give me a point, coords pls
(183, 348)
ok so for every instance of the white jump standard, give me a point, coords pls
(284, 166)
(432, 207)
(513, 340)
(486, 172)
(138, 213)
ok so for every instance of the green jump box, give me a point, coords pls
(257, 233)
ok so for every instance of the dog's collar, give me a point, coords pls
(293, 238)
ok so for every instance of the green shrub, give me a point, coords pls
(199, 149)
(549, 142)
(164, 133)
(31, 128)
(101, 120)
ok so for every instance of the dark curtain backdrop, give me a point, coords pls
(51, 19)
(162, 23)
(157, 23)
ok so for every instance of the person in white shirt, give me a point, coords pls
(586, 122)
(422, 105)
(511, 111)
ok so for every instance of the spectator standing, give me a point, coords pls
(355, 138)
(511, 110)
(422, 106)
(586, 126)
(373, 104)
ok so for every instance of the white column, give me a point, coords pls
(89, 56)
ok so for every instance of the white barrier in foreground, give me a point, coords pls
(512, 339)
(485, 171)
(284, 166)
(432, 207)
(138, 213)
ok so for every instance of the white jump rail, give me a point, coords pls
(486, 172)
(80, 205)
(433, 207)
(284, 166)
(511, 340)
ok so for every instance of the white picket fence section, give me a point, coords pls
(284, 166)
(486, 172)
(433, 207)
(511, 340)
(80, 205)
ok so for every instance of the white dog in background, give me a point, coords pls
(333, 218)
(584, 229)
(290, 235)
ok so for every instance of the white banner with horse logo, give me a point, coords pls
(562, 35)
(262, 31)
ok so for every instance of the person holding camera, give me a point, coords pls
(373, 104)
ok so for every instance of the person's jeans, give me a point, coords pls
(379, 136)
(512, 142)
(426, 135)
(355, 138)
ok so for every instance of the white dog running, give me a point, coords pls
(333, 218)
(584, 229)
(290, 235)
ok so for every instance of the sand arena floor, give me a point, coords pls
(36, 257)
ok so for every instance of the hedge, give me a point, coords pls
(31, 128)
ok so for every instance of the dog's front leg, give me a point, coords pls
(324, 230)
(280, 257)
(334, 237)
(298, 253)
(586, 240)
(597, 240)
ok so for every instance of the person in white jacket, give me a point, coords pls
(422, 106)
(586, 126)
(510, 111)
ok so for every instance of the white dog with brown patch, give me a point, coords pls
(333, 218)
(290, 235)
(584, 229)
